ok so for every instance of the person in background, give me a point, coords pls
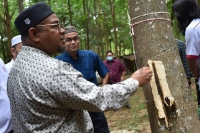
(88, 63)
(16, 46)
(116, 69)
(5, 112)
(49, 95)
(187, 13)
(182, 51)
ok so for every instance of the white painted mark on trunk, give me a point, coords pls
(168, 26)
(153, 26)
(137, 9)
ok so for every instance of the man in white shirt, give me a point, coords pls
(16, 47)
(5, 113)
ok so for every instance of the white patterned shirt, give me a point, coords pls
(48, 95)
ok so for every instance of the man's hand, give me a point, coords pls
(143, 75)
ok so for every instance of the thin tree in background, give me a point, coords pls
(20, 5)
(112, 9)
(7, 16)
(86, 24)
(70, 12)
(101, 36)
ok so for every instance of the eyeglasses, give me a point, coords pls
(69, 40)
(58, 25)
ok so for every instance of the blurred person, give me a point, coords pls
(182, 51)
(116, 69)
(187, 13)
(16, 46)
(88, 63)
(5, 117)
(49, 95)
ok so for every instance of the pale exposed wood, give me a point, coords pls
(158, 69)
(156, 96)
(163, 83)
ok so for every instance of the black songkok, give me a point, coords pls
(32, 16)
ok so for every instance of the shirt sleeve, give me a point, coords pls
(122, 67)
(72, 91)
(3, 74)
(101, 68)
(192, 43)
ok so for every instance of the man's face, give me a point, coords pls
(51, 36)
(72, 42)
(109, 56)
(15, 50)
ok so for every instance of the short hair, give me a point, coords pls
(185, 11)
(109, 51)
(69, 29)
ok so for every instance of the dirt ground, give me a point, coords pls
(135, 119)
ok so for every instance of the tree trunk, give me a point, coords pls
(70, 12)
(86, 12)
(112, 9)
(20, 5)
(154, 40)
(104, 44)
(7, 22)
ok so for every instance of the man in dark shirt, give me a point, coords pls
(116, 69)
(182, 51)
(87, 62)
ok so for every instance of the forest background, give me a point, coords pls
(102, 24)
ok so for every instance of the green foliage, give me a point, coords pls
(177, 33)
(92, 18)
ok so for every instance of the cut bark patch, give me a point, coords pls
(161, 93)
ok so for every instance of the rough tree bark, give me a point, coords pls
(20, 5)
(70, 12)
(6, 17)
(86, 24)
(154, 40)
(112, 10)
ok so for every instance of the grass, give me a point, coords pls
(134, 119)
(130, 119)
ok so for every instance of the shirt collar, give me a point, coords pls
(110, 61)
(33, 49)
(12, 61)
(68, 55)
